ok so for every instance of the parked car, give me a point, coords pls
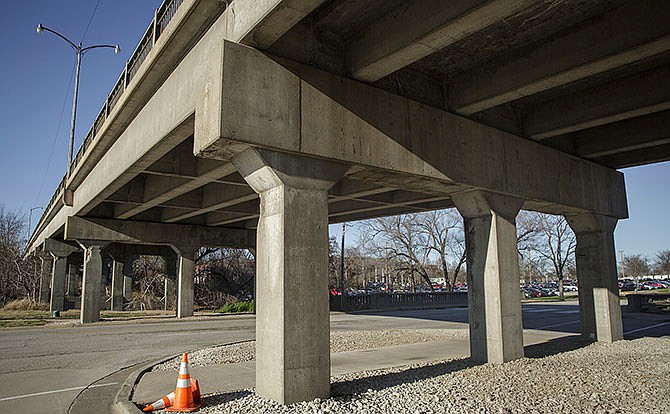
(531, 292)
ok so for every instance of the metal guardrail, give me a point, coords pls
(397, 300)
(162, 17)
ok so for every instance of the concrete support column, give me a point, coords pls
(45, 277)
(58, 273)
(127, 288)
(170, 282)
(494, 297)
(600, 310)
(91, 285)
(168, 288)
(72, 280)
(186, 273)
(117, 286)
(292, 330)
(128, 277)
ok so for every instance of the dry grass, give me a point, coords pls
(25, 304)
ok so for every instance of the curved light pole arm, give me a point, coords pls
(40, 28)
(116, 48)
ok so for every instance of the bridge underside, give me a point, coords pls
(285, 116)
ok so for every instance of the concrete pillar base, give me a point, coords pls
(494, 297)
(292, 320)
(600, 310)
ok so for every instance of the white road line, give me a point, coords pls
(565, 312)
(56, 391)
(648, 327)
(551, 326)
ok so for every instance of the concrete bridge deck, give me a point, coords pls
(256, 123)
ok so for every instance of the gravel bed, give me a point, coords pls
(624, 377)
(340, 341)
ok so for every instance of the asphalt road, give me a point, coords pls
(43, 370)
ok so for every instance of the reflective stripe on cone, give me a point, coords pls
(160, 404)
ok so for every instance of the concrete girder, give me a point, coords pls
(121, 166)
(632, 134)
(260, 23)
(222, 219)
(312, 112)
(622, 99)
(419, 28)
(158, 189)
(347, 188)
(637, 157)
(78, 228)
(214, 197)
(625, 35)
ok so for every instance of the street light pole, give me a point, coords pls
(341, 284)
(79, 50)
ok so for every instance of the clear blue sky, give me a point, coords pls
(36, 89)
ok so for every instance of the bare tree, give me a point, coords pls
(18, 278)
(224, 275)
(444, 237)
(400, 238)
(662, 262)
(636, 265)
(552, 238)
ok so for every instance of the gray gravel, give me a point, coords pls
(340, 341)
(624, 377)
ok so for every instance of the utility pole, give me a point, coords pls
(341, 282)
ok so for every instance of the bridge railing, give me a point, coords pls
(397, 300)
(162, 17)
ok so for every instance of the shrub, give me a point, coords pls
(237, 307)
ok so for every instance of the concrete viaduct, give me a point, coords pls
(257, 123)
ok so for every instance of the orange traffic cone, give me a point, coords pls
(183, 399)
(162, 403)
(195, 387)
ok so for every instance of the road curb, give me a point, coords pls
(123, 403)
